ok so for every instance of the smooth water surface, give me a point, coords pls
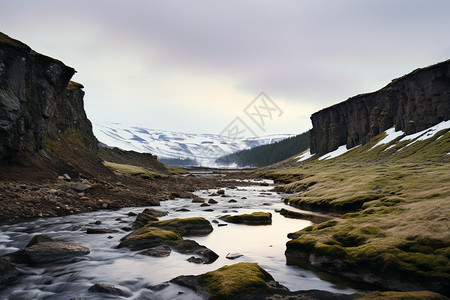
(136, 273)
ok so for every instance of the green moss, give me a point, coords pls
(416, 295)
(237, 281)
(49, 144)
(186, 226)
(72, 86)
(148, 236)
(255, 218)
(331, 251)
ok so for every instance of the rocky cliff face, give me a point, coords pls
(411, 103)
(42, 117)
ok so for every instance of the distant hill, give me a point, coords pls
(177, 148)
(267, 154)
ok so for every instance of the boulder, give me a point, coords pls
(212, 201)
(158, 251)
(110, 289)
(256, 218)
(148, 236)
(39, 239)
(239, 281)
(187, 226)
(148, 215)
(46, 252)
(192, 247)
(79, 187)
(8, 270)
(234, 255)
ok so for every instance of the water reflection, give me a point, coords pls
(122, 267)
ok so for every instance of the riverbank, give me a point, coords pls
(25, 199)
(394, 232)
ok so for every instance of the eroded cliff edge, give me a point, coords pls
(411, 103)
(43, 124)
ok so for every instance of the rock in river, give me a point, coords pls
(158, 251)
(45, 252)
(8, 270)
(110, 289)
(146, 237)
(256, 218)
(187, 226)
(148, 215)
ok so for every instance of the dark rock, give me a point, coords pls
(204, 204)
(195, 260)
(220, 192)
(110, 289)
(100, 230)
(45, 252)
(222, 224)
(256, 218)
(158, 287)
(8, 271)
(234, 255)
(98, 222)
(39, 239)
(41, 110)
(148, 215)
(232, 201)
(198, 200)
(159, 251)
(132, 214)
(411, 103)
(182, 210)
(209, 209)
(303, 216)
(187, 226)
(212, 201)
(192, 247)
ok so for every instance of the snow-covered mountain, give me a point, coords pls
(194, 149)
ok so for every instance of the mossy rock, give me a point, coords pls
(238, 281)
(186, 226)
(148, 215)
(256, 218)
(146, 237)
(416, 295)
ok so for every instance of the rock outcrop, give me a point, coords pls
(411, 103)
(42, 118)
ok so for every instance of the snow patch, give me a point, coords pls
(391, 135)
(203, 148)
(339, 151)
(427, 133)
(304, 156)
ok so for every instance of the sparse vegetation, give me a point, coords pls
(396, 209)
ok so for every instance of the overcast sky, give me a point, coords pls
(194, 66)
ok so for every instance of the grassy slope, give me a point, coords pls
(397, 208)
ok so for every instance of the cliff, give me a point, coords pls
(411, 103)
(42, 119)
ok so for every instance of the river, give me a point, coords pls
(136, 273)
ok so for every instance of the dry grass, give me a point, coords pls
(397, 211)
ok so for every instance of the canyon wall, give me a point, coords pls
(42, 116)
(411, 103)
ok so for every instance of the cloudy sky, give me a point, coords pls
(194, 66)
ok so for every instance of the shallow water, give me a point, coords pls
(135, 273)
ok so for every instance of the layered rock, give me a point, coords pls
(41, 111)
(411, 103)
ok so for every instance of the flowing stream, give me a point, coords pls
(136, 273)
